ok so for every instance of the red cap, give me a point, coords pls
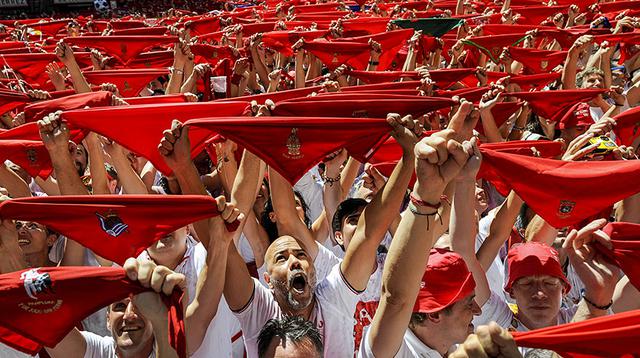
(534, 258)
(446, 281)
(578, 115)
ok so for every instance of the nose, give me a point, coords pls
(294, 263)
(475, 309)
(130, 313)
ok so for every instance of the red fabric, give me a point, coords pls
(609, 336)
(384, 86)
(362, 26)
(537, 61)
(554, 105)
(562, 193)
(578, 115)
(50, 28)
(115, 227)
(276, 96)
(624, 39)
(36, 111)
(382, 76)
(446, 280)
(501, 112)
(169, 98)
(203, 26)
(6, 45)
(293, 145)
(145, 124)
(627, 126)
(534, 15)
(492, 45)
(10, 100)
(282, 41)
(212, 54)
(153, 59)
(334, 54)
(535, 82)
(23, 146)
(129, 81)
(531, 259)
(391, 42)
(546, 148)
(62, 296)
(625, 238)
(147, 31)
(379, 108)
(124, 48)
(32, 66)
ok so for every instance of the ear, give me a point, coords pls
(267, 279)
(338, 237)
(434, 317)
(272, 216)
(51, 239)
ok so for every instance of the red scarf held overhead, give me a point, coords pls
(609, 336)
(63, 296)
(10, 100)
(383, 86)
(546, 148)
(625, 238)
(535, 15)
(115, 227)
(316, 106)
(145, 124)
(276, 96)
(169, 98)
(334, 54)
(153, 59)
(391, 42)
(537, 61)
(124, 48)
(129, 81)
(36, 111)
(365, 26)
(562, 193)
(50, 28)
(293, 145)
(139, 31)
(492, 45)
(212, 54)
(501, 112)
(23, 146)
(203, 26)
(627, 127)
(553, 105)
(281, 41)
(382, 76)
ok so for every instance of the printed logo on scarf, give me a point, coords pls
(112, 224)
(36, 283)
(565, 208)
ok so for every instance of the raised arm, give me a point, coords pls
(360, 258)
(500, 229)
(99, 180)
(129, 180)
(65, 54)
(438, 161)
(14, 184)
(571, 62)
(463, 227)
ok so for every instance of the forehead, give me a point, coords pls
(284, 243)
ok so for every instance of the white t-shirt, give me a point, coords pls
(224, 326)
(411, 347)
(496, 272)
(332, 313)
(101, 347)
(310, 187)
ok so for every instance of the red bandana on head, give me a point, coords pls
(10, 100)
(377, 108)
(129, 82)
(115, 227)
(334, 54)
(145, 124)
(553, 105)
(22, 145)
(63, 296)
(122, 47)
(562, 193)
(609, 336)
(293, 145)
(537, 61)
(627, 127)
(35, 112)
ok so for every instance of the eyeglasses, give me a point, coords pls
(29, 225)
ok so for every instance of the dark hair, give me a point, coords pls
(294, 329)
(270, 227)
(418, 318)
(344, 209)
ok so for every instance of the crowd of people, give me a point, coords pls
(445, 178)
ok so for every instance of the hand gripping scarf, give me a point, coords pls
(145, 124)
(63, 296)
(293, 145)
(124, 48)
(129, 81)
(609, 336)
(562, 193)
(115, 227)
(22, 145)
(36, 111)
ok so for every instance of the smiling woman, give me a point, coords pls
(35, 240)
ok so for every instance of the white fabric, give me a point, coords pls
(411, 347)
(332, 313)
(8, 352)
(245, 250)
(310, 187)
(101, 347)
(496, 272)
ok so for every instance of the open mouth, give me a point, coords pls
(299, 282)
(23, 241)
(128, 329)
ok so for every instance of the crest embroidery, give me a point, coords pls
(544, 64)
(34, 284)
(293, 145)
(335, 58)
(112, 224)
(32, 156)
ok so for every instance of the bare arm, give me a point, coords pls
(99, 181)
(73, 345)
(127, 176)
(180, 53)
(65, 54)
(570, 64)
(539, 230)
(500, 229)
(14, 184)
